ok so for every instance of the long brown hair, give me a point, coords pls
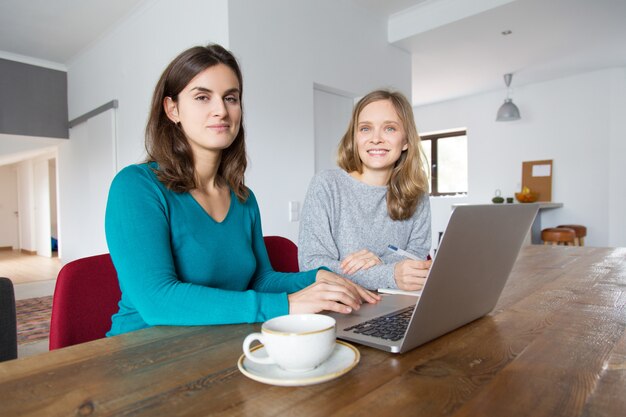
(408, 178)
(166, 143)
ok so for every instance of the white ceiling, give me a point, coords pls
(457, 56)
(57, 30)
(469, 55)
(388, 7)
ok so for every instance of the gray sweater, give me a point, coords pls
(342, 215)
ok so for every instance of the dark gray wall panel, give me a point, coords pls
(33, 100)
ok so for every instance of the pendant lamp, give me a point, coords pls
(508, 111)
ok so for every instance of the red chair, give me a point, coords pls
(85, 298)
(283, 253)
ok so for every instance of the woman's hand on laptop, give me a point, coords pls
(410, 275)
(330, 292)
(361, 293)
(357, 261)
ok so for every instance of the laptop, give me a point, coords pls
(467, 276)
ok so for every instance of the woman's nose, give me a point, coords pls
(376, 137)
(219, 108)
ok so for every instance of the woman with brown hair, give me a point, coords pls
(378, 198)
(184, 231)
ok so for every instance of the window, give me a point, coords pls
(446, 153)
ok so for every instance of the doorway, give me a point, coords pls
(332, 110)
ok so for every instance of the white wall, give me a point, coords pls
(576, 121)
(33, 197)
(53, 198)
(125, 65)
(26, 204)
(285, 47)
(617, 158)
(8, 207)
(41, 171)
(86, 169)
(332, 114)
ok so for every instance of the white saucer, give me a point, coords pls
(342, 360)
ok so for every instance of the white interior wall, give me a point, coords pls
(568, 120)
(86, 169)
(617, 158)
(26, 205)
(303, 43)
(332, 114)
(52, 168)
(125, 65)
(8, 207)
(41, 182)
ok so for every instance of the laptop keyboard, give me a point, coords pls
(389, 327)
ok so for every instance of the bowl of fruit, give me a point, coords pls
(526, 196)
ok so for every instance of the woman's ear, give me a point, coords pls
(171, 109)
(406, 145)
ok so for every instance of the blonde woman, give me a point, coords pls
(378, 198)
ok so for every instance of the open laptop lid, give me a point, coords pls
(473, 262)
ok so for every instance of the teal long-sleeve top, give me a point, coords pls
(177, 266)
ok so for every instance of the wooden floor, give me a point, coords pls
(21, 268)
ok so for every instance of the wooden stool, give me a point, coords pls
(558, 235)
(581, 232)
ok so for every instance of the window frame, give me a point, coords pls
(433, 138)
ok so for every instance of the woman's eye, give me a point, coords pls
(202, 98)
(364, 129)
(390, 129)
(232, 99)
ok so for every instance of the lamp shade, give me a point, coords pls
(508, 111)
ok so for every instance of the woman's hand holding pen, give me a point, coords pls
(410, 274)
(330, 292)
(363, 259)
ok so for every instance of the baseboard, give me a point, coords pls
(2, 248)
(28, 252)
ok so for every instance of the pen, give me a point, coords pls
(403, 253)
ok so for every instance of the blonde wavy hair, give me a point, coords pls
(409, 178)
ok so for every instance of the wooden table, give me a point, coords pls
(554, 346)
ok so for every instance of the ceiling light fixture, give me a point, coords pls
(508, 111)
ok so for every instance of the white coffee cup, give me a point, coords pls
(296, 343)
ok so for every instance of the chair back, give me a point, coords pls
(283, 253)
(8, 321)
(85, 297)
